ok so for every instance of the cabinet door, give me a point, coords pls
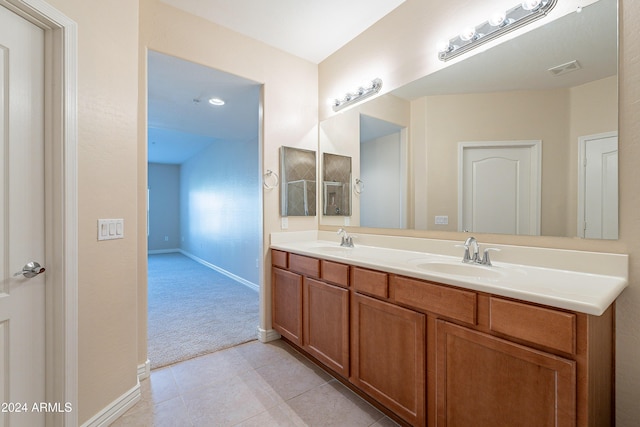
(388, 356)
(326, 324)
(487, 381)
(286, 294)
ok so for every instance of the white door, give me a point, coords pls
(499, 187)
(600, 187)
(22, 299)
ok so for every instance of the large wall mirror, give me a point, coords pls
(518, 139)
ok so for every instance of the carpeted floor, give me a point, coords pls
(194, 310)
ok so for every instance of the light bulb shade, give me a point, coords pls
(531, 4)
(467, 33)
(497, 19)
(444, 46)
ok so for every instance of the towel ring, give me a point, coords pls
(358, 186)
(274, 179)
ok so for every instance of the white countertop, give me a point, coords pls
(583, 292)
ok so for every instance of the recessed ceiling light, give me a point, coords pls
(216, 101)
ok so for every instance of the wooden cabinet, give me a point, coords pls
(487, 381)
(446, 356)
(286, 304)
(388, 356)
(326, 324)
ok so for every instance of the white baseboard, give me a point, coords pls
(116, 409)
(238, 279)
(266, 335)
(162, 251)
(144, 370)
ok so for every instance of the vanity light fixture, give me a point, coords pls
(363, 92)
(498, 24)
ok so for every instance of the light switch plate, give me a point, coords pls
(109, 229)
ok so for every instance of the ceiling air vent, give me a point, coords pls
(565, 68)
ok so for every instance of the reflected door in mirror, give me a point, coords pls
(598, 181)
(500, 187)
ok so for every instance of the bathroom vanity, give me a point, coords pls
(438, 342)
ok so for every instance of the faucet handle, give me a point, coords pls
(467, 254)
(485, 259)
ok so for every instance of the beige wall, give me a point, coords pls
(290, 103)
(107, 165)
(556, 117)
(505, 116)
(375, 54)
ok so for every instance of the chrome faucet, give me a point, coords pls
(347, 241)
(471, 244)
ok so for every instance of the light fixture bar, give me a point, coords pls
(499, 24)
(357, 96)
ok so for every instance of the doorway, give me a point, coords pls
(204, 208)
(383, 173)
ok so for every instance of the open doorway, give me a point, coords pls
(383, 172)
(204, 209)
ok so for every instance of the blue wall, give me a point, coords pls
(220, 208)
(164, 206)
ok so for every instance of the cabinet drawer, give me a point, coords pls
(305, 265)
(539, 325)
(442, 300)
(370, 282)
(335, 273)
(279, 258)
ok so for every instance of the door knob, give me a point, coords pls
(30, 269)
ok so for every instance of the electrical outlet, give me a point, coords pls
(442, 220)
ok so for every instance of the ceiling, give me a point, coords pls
(178, 90)
(180, 119)
(523, 63)
(182, 122)
(309, 29)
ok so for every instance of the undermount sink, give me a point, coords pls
(460, 269)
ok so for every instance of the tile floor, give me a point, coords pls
(253, 384)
